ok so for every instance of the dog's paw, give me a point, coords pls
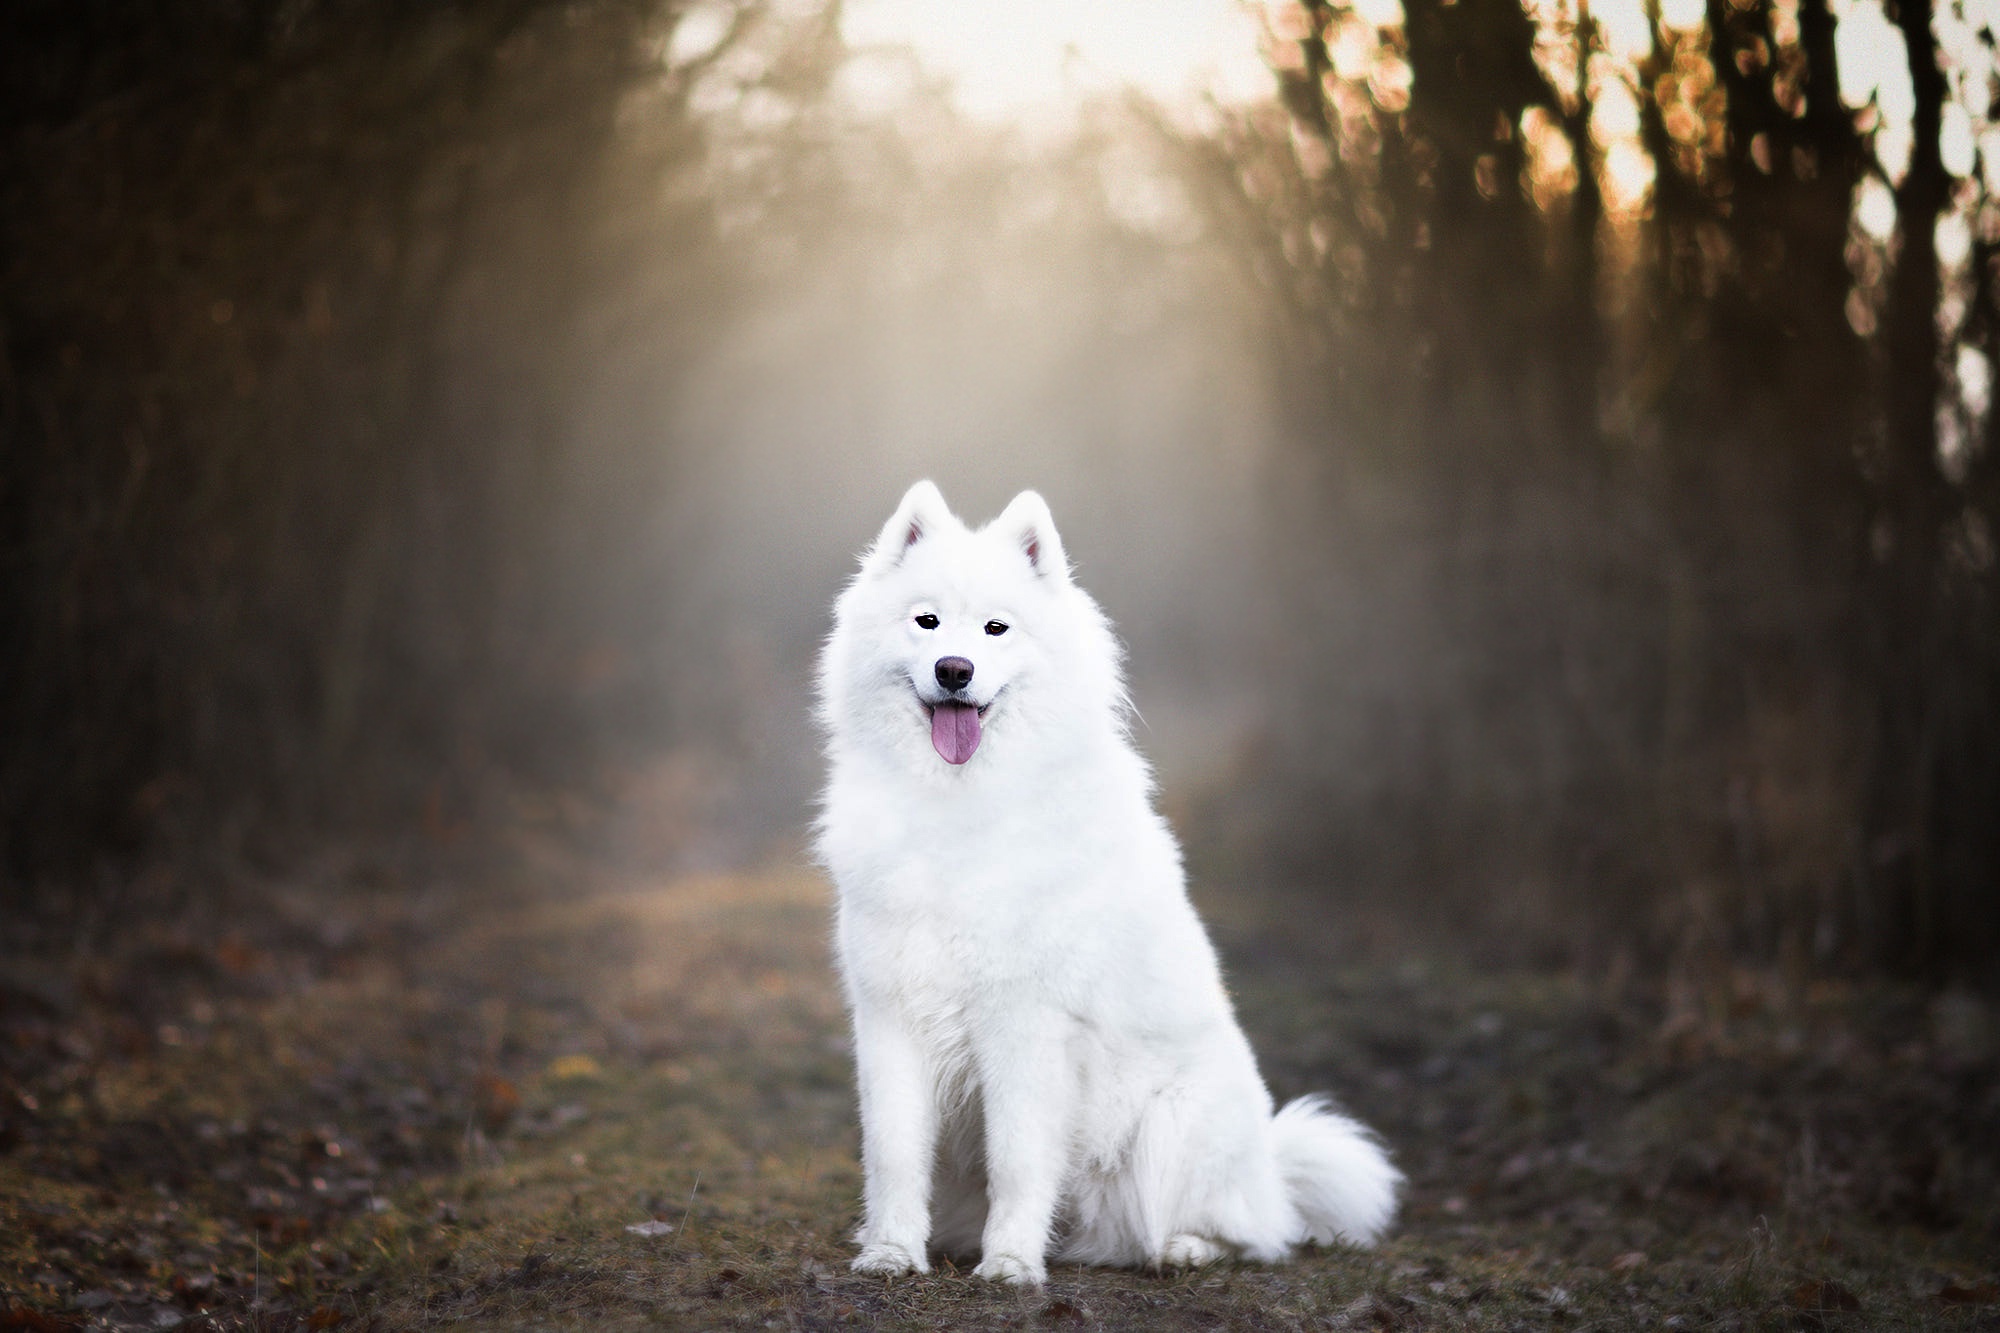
(1187, 1250)
(890, 1260)
(1011, 1268)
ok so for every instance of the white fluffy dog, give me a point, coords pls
(1047, 1056)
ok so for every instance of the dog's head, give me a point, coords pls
(951, 636)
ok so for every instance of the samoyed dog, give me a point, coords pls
(1048, 1061)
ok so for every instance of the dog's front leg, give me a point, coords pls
(1025, 1084)
(899, 1127)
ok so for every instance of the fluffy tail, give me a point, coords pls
(1337, 1173)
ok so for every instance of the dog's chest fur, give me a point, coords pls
(960, 920)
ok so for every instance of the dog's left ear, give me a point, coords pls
(1027, 522)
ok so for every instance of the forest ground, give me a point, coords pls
(565, 1095)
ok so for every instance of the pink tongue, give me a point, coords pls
(955, 731)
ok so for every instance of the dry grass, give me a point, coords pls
(409, 1110)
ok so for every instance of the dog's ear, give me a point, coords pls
(922, 512)
(1027, 523)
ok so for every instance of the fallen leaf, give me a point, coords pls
(1978, 1293)
(193, 1288)
(325, 1317)
(283, 1228)
(1630, 1261)
(497, 1101)
(21, 1319)
(236, 956)
(565, 1067)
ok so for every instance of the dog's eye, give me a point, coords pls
(996, 627)
(927, 621)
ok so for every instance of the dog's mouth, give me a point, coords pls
(955, 727)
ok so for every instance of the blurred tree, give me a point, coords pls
(296, 526)
(1910, 817)
(1652, 685)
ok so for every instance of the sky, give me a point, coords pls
(1021, 59)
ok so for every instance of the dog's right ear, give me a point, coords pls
(922, 512)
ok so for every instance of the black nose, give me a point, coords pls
(954, 673)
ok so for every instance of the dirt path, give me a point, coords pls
(630, 1107)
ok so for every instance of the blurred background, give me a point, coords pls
(1538, 453)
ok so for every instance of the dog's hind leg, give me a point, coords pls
(1187, 1250)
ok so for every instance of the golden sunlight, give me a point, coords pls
(1031, 59)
